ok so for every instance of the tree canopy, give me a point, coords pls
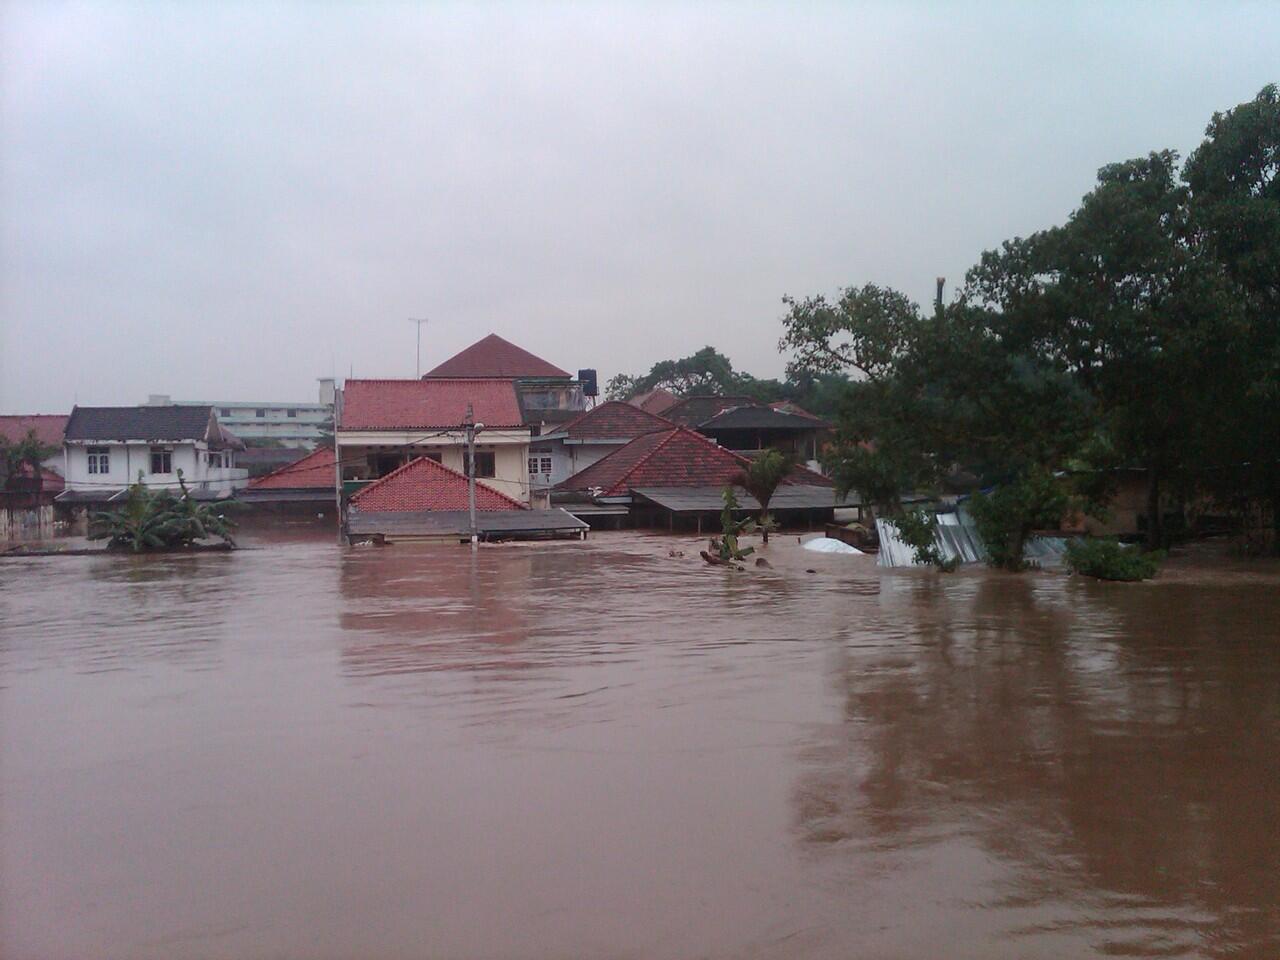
(1143, 332)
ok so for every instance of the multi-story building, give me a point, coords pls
(291, 424)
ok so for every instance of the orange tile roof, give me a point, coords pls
(49, 427)
(427, 404)
(423, 484)
(314, 471)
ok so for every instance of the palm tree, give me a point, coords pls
(762, 478)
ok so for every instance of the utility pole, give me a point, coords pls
(418, 361)
(471, 472)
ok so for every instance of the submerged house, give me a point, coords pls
(676, 477)
(588, 437)
(385, 424)
(106, 449)
(425, 499)
(748, 427)
(308, 485)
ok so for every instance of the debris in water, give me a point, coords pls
(830, 545)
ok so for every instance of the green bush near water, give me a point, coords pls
(1108, 559)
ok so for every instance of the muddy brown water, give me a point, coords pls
(600, 750)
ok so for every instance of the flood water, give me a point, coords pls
(600, 750)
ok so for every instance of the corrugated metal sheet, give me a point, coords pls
(957, 538)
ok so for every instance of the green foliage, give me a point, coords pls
(725, 547)
(761, 479)
(918, 529)
(1143, 333)
(1006, 516)
(710, 372)
(28, 452)
(1107, 559)
(157, 520)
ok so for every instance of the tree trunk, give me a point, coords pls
(764, 531)
(1155, 530)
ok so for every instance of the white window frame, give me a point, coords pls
(99, 460)
(166, 452)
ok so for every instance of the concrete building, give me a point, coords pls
(292, 424)
(105, 449)
(385, 424)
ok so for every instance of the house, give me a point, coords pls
(574, 446)
(308, 484)
(548, 396)
(292, 423)
(679, 475)
(105, 449)
(384, 424)
(747, 426)
(424, 499)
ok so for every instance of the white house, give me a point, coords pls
(105, 449)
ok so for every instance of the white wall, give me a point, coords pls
(126, 459)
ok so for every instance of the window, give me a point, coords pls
(293, 412)
(99, 460)
(435, 455)
(215, 459)
(161, 460)
(226, 411)
(260, 413)
(540, 465)
(485, 466)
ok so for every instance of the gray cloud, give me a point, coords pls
(229, 201)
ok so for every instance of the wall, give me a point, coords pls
(510, 449)
(568, 458)
(126, 459)
(26, 523)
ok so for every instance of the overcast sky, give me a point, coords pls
(229, 201)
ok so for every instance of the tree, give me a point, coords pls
(1234, 183)
(28, 453)
(762, 478)
(159, 521)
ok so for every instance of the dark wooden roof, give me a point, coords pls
(145, 423)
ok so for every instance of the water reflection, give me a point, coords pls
(556, 749)
(1112, 752)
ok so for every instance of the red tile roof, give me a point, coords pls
(427, 404)
(423, 484)
(495, 357)
(655, 401)
(314, 471)
(49, 427)
(678, 457)
(613, 420)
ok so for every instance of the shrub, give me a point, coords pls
(1006, 516)
(918, 529)
(1108, 559)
